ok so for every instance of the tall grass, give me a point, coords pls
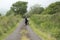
(48, 23)
(7, 23)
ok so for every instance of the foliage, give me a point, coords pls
(0, 14)
(36, 9)
(52, 8)
(47, 23)
(7, 23)
(10, 12)
(19, 7)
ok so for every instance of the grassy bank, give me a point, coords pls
(8, 24)
(47, 22)
(43, 35)
(46, 26)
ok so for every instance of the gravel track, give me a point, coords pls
(15, 35)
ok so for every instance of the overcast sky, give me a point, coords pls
(6, 4)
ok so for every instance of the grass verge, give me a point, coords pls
(43, 35)
(8, 32)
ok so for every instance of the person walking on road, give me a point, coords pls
(26, 21)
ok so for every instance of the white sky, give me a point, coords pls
(6, 4)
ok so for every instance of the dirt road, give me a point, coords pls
(22, 32)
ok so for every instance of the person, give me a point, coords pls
(26, 21)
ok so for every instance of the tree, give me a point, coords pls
(10, 12)
(52, 8)
(36, 9)
(0, 14)
(19, 7)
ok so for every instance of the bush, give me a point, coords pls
(48, 24)
(8, 22)
(52, 8)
